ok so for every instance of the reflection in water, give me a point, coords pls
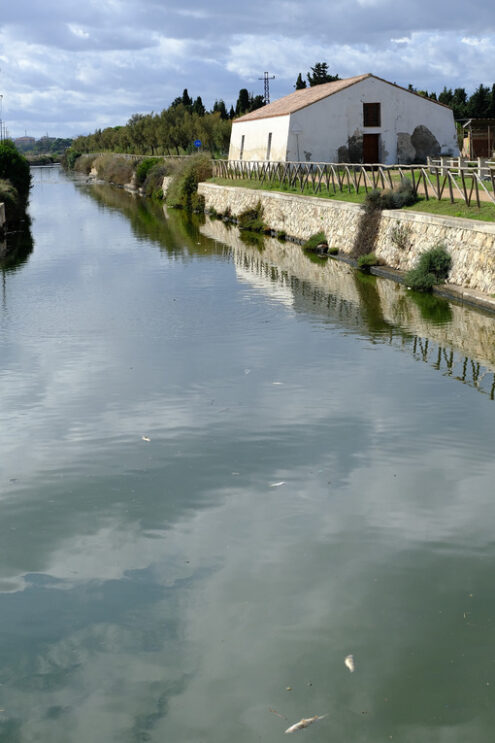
(450, 338)
(163, 589)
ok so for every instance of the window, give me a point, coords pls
(371, 114)
(269, 146)
(242, 146)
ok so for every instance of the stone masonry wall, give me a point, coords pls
(400, 238)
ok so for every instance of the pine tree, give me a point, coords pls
(319, 74)
(300, 83)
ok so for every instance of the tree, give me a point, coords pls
(186, 99)
(319, 74)
(219, 106)
(256, 101)
(459, 103)
(300, 83)
(446, 96)
(243, 102)
(198, 107)
(480, 102)
(231, 112)
(15, 168)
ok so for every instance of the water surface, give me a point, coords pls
(318, 482)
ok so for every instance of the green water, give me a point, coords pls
(318, 482)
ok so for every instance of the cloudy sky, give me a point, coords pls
(68, 67)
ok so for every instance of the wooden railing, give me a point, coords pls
(430, 181)
(481, 165)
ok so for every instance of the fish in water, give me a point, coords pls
(349, 661)
(304, 723)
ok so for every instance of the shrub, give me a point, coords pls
(252, 219)
(84, 163)
(317, 242)
(432, 268)
(142, 169)
(152, 185)
(401, 196)
(69, 158)
(10, 197)
(373, 201)
(333, 251)
(114, 168)
(366, 261)
(281, 235)
(15, 168)
(188, 174)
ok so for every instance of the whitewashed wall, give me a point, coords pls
(256, 138)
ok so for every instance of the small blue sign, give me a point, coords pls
(197, 143)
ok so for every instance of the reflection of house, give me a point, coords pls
(479, 138)
(360, 119)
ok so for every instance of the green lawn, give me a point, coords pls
(443, 208)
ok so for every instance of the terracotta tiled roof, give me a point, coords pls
(301, 99)
(305, 97)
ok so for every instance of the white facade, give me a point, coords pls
(332, 129)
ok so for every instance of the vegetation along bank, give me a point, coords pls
(390, 241)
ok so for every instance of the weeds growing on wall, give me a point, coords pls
(252, 219)
(400, 235)
(365, 262)
(432, 268)
(317, 243)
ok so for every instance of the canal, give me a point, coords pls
(224, 468)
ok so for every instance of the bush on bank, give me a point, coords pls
(432, 268)
(15, 181)
(148, 174)
(183, 189)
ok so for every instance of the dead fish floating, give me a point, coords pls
(304, 723)
(349, 662)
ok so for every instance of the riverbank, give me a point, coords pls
(397, 237)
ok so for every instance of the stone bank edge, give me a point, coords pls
(471, 243)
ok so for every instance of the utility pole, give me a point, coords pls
(266, 78)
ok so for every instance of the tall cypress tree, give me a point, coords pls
(300, 83)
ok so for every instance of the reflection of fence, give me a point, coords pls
(430, 181)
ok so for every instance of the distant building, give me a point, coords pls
(23, 141)
(361, 119)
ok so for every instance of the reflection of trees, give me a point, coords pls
(175, 232)
(16, 248)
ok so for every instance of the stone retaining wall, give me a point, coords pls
(401, 236)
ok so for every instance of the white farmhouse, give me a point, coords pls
(359, 119)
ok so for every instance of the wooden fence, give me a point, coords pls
(437, 181)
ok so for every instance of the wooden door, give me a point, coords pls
(371, 148)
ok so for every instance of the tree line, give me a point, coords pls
(174, 130)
